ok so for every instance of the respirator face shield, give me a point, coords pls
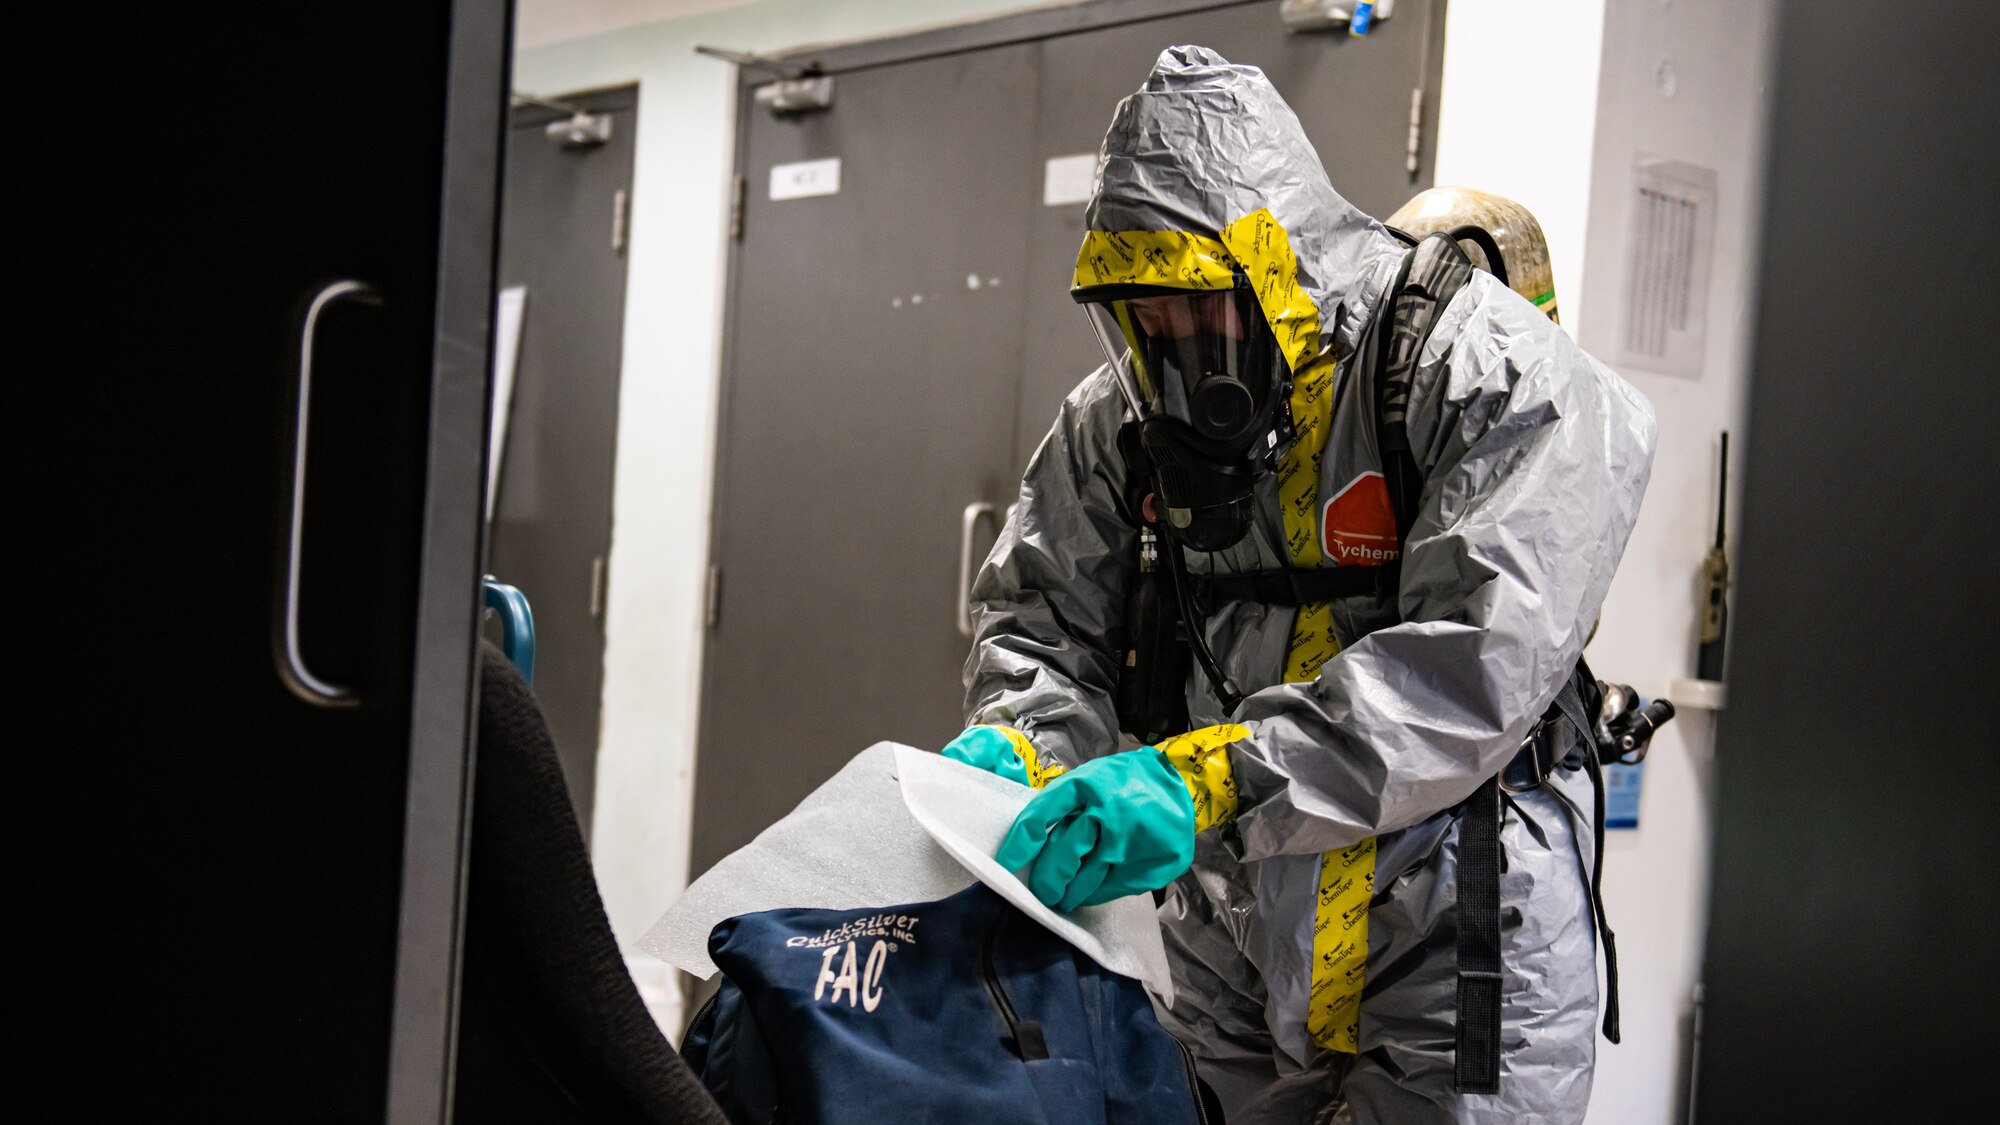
(1205, 357)
(1208, 386)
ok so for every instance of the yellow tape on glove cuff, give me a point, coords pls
(1202, 759)
(1039, 773)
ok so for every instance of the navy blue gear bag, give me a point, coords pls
(959, 1011)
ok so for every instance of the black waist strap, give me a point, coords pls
(1477, 1047)
(1570, 702)
(1477, 1050)
(1299, 587)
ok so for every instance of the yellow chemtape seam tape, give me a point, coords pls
(1171, 258)
(1340, 946)
(1202, 759)
(1347, 877)
(1260, 244)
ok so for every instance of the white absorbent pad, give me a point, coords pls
(897, 825)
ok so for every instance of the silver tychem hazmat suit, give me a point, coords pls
(1313, 939)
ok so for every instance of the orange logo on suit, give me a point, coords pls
(1358, 527)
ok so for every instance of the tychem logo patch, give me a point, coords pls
(1358, 527)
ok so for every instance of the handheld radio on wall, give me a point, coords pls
(1715, 583)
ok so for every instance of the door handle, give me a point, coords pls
(292, 669)
(968, 524)
(517, 625)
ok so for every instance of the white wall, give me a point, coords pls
(1547, 103)
(1517, 114)
(1656, 878)
(1523, 113)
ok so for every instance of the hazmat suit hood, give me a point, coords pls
(1205, 143)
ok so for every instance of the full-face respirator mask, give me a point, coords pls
(1210, 391)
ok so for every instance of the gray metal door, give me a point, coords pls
(898, 349)
(563, 217)
(868, 398)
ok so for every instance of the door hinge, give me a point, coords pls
(1413, 159)
(738, 191)
(597, 588)
(713, 614)
(620, 204)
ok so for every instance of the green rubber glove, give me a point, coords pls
(1111, 827)
(988, 748)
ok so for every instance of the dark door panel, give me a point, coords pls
(868, 400)
(219, 927)
(1856, 784)
(562, 237)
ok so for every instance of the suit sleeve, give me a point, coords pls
(1535, 459)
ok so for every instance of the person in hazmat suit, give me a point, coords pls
(1307, 819)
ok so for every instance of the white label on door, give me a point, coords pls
(513, 305)
(1667, 265)
(1066, 179)
(806, 178)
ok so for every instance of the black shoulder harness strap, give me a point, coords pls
(1431, 276)
(1301, 586)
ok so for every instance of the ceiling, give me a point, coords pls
(538, 23)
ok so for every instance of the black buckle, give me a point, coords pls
(1389, 578)
(1537, 769)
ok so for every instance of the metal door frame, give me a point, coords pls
(445, 693)
(999, 31)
